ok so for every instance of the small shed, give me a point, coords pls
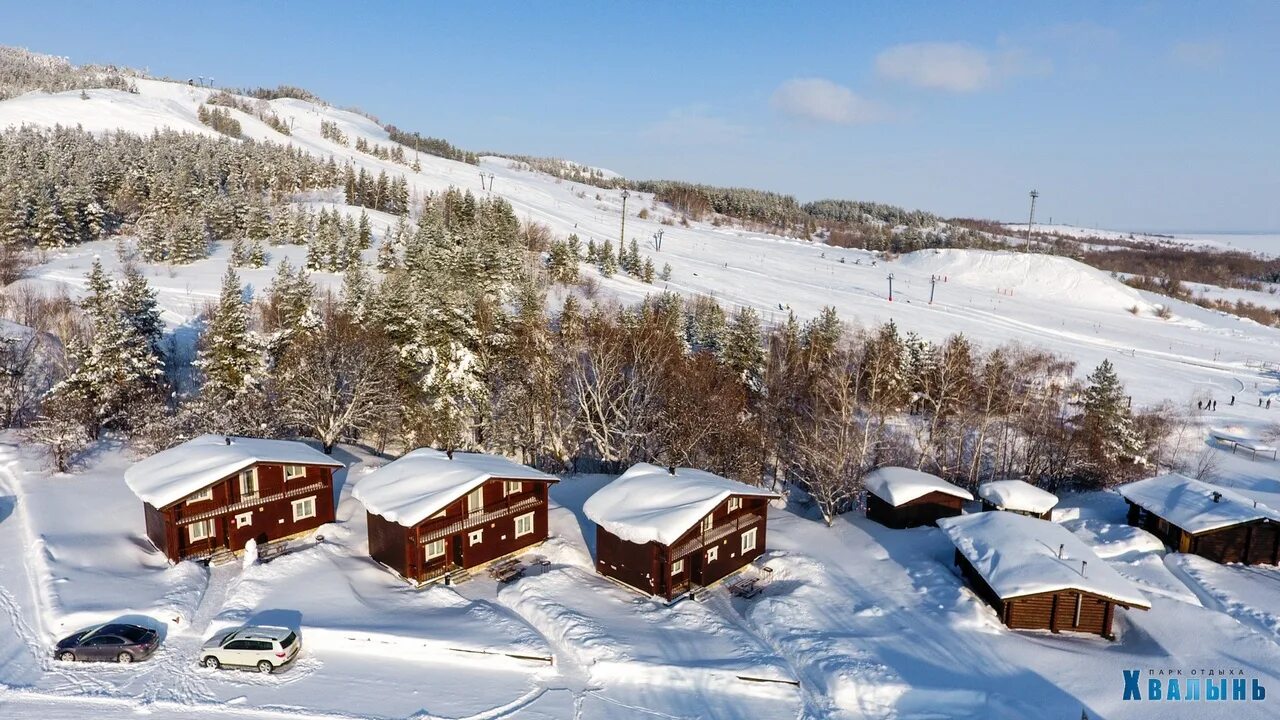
(900, 497)
(217, 492)
(665, 531)
(433, 512)
(1018, 497)
(1038, 575)
(1215, 522)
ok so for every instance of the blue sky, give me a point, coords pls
(1136, 115)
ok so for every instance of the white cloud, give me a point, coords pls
(694, 125)
(1202, 54)
(955, 67)
(824, 101)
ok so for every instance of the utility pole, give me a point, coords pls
(657, 240)
(933, 282)
(890, 287)
(622, 234)
(482, 187)
(1031, 218)
(490, 182)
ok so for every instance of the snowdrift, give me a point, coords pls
(1028, 275)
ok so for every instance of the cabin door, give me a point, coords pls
(456, 542)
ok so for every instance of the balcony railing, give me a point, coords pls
(471, 521)
(716, 534)
(247, 503)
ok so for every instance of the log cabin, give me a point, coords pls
(899, 497)
(437, 514)
(1214, 522)
(1017, 496)
(216, 493)
(667, 531)
(1038, 575)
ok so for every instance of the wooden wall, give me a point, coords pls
(1054, 611)
(1256, 542)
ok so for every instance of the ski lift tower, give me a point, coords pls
(1032, 217)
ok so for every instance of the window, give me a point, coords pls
(238, 645)
(476, 537)
(293, 472)
(677, 567)
(304, 508)
(475, 501)
(713, 554)
(205, 494)
(512, 487)
(749, 540)
(435, 549)
(735, 503)
(249, 484)
(705, 525)
(244, 519)
(524, 524)
(200, 530)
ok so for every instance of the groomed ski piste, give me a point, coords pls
(856, 621)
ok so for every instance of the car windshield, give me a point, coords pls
(288, 640)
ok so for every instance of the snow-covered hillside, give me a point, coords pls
(857, 621)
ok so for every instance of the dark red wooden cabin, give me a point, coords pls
(668, 531)
(900, 497)
(216, 493)
(432, 514)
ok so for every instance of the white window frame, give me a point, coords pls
(512, 487)
(754, 534)
(429, 554)
(526, 517)
(475, 501)
(735, 503)
(475, 537)
(713, 554)
(293, 472)
(677, 567)
(244, 519)
(206, 530)
(201, 496)
(302, 502)
(250, 475)
(706, 524)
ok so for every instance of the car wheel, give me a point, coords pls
(124, 658)
(265, 666)
(67, 656)
(212, 663)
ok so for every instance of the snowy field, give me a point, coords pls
(1263, 243)
(857, 621)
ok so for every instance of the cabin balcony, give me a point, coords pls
(506, 508)
(717, 533)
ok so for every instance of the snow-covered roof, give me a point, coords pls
(1017, 495)
(1190, 504)
(173, 474)
(899, 485)
(1017, 555)
(647, 503)
(424, 482)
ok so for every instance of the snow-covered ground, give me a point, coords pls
(855, 621)
(1263, 243)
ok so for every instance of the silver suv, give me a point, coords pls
(263, 647)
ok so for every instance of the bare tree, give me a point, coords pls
(833, 441)
(337, 379)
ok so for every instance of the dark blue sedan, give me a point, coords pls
(118, 642)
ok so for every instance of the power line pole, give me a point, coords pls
(657, 240)
(490, 182)
(890, 287)
(622, 234)
(1031, 218)
(933, 282)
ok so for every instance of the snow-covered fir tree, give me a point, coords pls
(229, 356)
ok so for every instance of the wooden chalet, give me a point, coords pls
(899, 497)
(216, 493)
(1192, 516)
(1017, 496)
(1038, 575)
(434, 513)
(666, 531)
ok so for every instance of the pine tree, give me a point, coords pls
(647, 273)
(229, 354)
(666, 272)
(744, 347)
(139, 307)
(1107, 423)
